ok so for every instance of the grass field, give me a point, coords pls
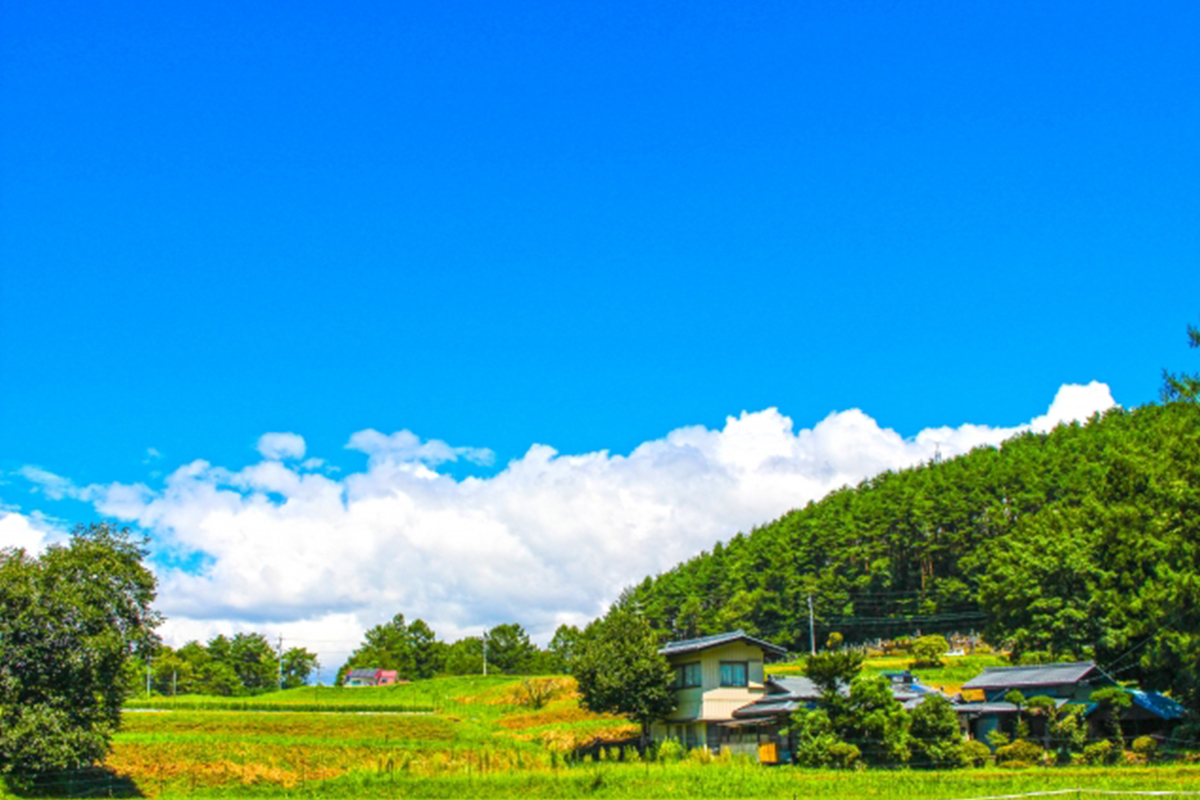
(482, 742)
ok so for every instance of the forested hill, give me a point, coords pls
(1081, 542)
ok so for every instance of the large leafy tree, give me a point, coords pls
(509, 650)
(255, 662)
(70, 621)
(410, 649)
(298, 665)
(619, 670)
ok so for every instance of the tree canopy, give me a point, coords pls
(69, 622)
(619, 670)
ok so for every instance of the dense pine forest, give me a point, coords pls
(1080, 543)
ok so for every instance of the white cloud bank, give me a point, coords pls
(552, 538)
(29, 532)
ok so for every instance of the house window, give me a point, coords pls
(733, 673)
(687, 676)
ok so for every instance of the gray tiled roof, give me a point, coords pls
(795, 687)
(705, 642)
(1038, 675)
(362, 673)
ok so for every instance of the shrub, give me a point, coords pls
(976, 753)
(843, 755)
(1098, 753)
(1020, 750)
(997, 739)
(1016, 763)
(1145, 746)
(670, 750)
(701, 755)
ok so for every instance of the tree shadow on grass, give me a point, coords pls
(87, 782)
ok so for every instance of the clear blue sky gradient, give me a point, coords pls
(582, 225)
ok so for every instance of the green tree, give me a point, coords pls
(255, 662)
(298, 665)
(619, 670)
(509, 650)
(564, 648)
(70, 620)
(873, 720)
(1183, 386)
(412, 650)
(936, 735)
(833, 670)
(929, 650)
(1043, 708)
(428, 653)
(1111, 701)
(1018, 699)
(465, 657)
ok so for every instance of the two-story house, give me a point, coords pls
(714, 677)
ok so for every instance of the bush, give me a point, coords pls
(670, 750)
(843, 755)
(1145, 746)
(1020, 750)
(997, 739)
(976, 753)
(1099, 753)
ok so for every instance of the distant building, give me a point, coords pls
(1149, 713)
(371, 677)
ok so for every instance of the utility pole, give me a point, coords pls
(149, 661)
(174, 683)
(485, 653)
(812, 631)
(281, 662)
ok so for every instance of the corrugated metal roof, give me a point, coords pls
(1157, 704)
(362, 673)
(1037, 675)
(705, 642)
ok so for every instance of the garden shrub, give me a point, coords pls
(1145, 746)
(843, 755)
(1020, 750)
(670, 750)
(976, 753)
(1098, 753)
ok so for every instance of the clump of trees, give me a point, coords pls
(859, 720)
(237, 666)
(70, 620)
(414, 651)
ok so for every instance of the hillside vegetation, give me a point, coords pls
(1083, 542)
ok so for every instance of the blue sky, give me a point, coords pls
(578, 226)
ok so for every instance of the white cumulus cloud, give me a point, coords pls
(551, 538)
(281, 445)
(30, 532)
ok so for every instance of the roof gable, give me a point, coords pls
(708, 642)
